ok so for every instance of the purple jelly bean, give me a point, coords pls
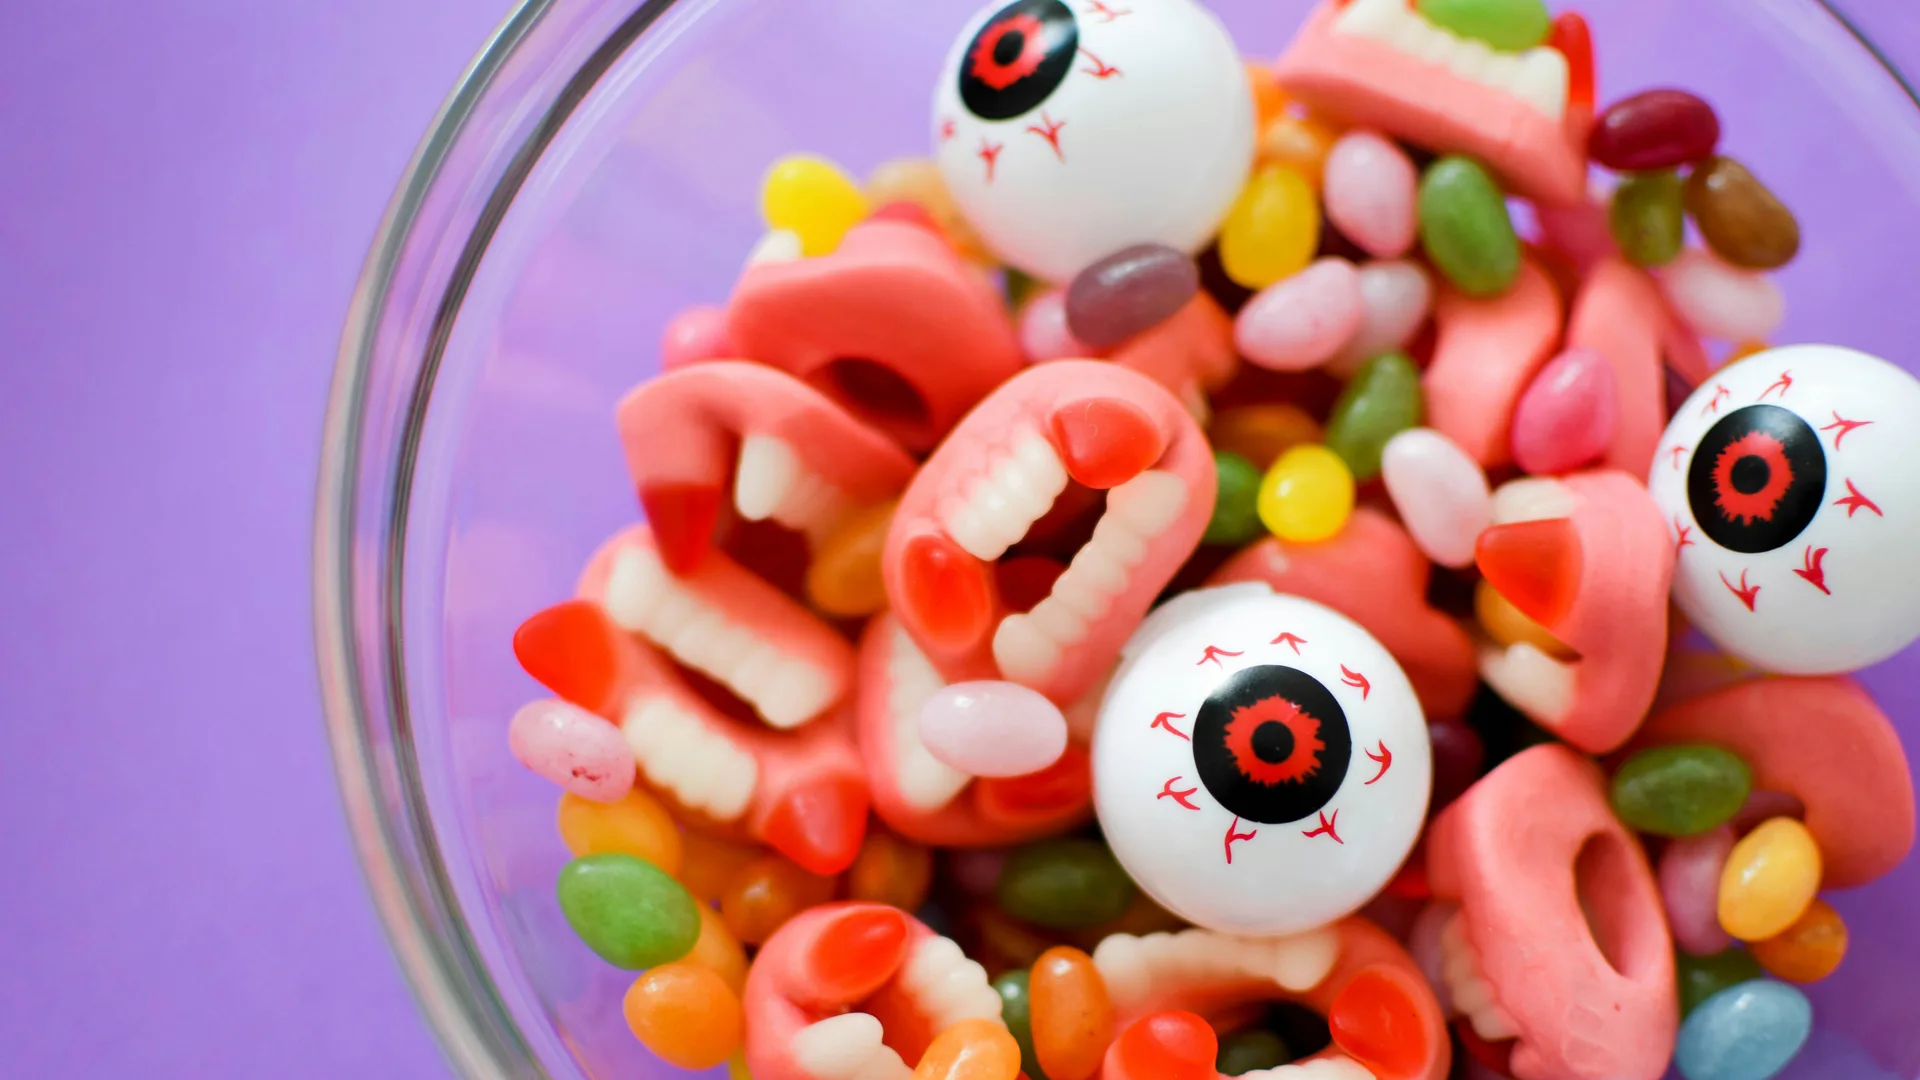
(1566, 417)
(1690, 887)
(1458, 755)
(1130, 291)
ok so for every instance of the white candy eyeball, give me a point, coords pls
(1069, 129)
(1260, 763)
(1791, 483)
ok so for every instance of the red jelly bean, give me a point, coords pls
(1657, 129)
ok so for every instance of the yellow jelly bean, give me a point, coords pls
(1307, 494)
(1299, 142)
(844, 579)
(1261, 433)
(811, 198)
(636, 825)
(1508, 625)
(976, 1049)
(1273, 229)
(918, 181)
(1769, 880)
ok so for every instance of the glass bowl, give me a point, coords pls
(596, 171)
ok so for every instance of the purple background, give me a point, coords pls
(187, 194)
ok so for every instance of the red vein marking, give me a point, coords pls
(1844, 426)
(1815, 574)
(1747, 593)
(1214, 653)
(1293, 641)
(1384, 757)
(947, 129)
(1676, 451)
(1050, 132)
(1856, 501)
(1783, 384)
(1165, 720)
(1686, 535)
(1100, 68)
(1102, 9)
(990, 153)
(1354, 678)
(1326, 828)
(1720, 394)
(1178, 796)
(1232, 835)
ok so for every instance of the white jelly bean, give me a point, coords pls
(1370, 191)
(1440, 492)
(1395, 297)
(1723, 301)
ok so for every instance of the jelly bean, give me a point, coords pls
(1807, 951)
(1370, 191)
(1130, 291)
(918, 181)
(718, 951)
(710, 863)
(1303, 321)
(976, 1049)
(1722, 301)
(1690, 871)
(1044, 334)
(566, 744)
(1016, 1011)
(1236, 512)
(1261, 433)
(1459, 757)
(1565, 417)
(1395, 298)
(1741, 220)
(637, 825)
(1508, 25)
(844, 578)
(1648, 217)
(1769, 880)
(1072, 1014)
(1508, 625)
(976, 871)
(1063, 883)
(1000, 942)
(686, 1015)
(1465, 228)
(1655, 129)
(1301, 143)
(694, 335)
(1681, 790)
(890, 870)
(811, 198)
(1382, 400)
(1441, 494)
(992, 728)
(1170, 1045)
(767, 892)
(1250, 1049)
(1701, 977)
(627, 910)
(1745, 1032)
(1269, 100)
(1307, 495)
(1272, 230)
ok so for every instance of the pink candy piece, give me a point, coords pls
(992, 728)
(574, 748)
(1565, 418)
(1395, 299)
(1303, 321)
(1580, 232)
(1370, 190)
(1440, 493)
(696, 334)
(1690, 887)
(1723, 301)
(1043, 331)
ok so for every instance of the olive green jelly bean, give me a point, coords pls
(1648, 218)
(1236, 515)
(1064, 884)
(1681, 790)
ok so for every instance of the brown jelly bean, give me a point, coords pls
(1129, 291)
(1656, 129)
(1740, 219)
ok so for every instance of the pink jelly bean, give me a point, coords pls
(1370, 190)
(576, 749)
(1722, 301)
(993, 728)
(1690, 887)
(1423, 944)
(1395, 298)
(1440, 492)
(1043, 331)
(696, 334)
(1566, 416)
(1300, 322)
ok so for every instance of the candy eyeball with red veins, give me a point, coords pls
(1260, 763)
(1790, 481)
(1070, 129)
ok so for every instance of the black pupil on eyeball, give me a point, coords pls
(1272, 742)
(1010, 48)
(1018, 59)
(1750, 475)
(1758, 479)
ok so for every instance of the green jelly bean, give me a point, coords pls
(1016, 1011)
(1066, 884)
(1382, 400)
(1681, 790)
(1701, 977)
(1236, 515)
(628, 910)
(1249, 1049)
(1508, 25)
(1649, 217)
(1465, 227)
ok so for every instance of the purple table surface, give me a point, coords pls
(188, 192)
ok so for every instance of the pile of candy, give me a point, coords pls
(1200, 446)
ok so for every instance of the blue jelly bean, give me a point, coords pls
(1745, 1032)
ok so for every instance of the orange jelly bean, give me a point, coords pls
(974, 1049)
(1299, 142)
(1508, 625)
(844, 578)
(1807, 951)
(1269, 101)
(719, 951)
(1072, 1014)
(890, 870)
(767, 892)
(709, 863)
(636, 825)
(686, 1014)
(1261, 433)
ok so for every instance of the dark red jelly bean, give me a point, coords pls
(1656, 129)
(1130, 291)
